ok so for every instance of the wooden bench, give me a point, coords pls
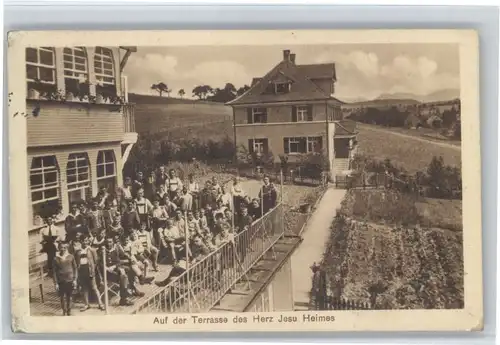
(36, 273)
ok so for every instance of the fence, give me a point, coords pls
(384, 180)
(205, 282)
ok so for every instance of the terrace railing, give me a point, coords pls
(205, 282)
(129, 117)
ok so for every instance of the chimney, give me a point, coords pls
(292, 58)
(286, 55)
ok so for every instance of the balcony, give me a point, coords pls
(129, 136)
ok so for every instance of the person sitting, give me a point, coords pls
(192, 222)
(221, 208)
(220, 222)
(99, 240)
(224, 235)
(216, 186)
(114, 269)
(172, 240)
(169, 206)
(150, 251)
(130, 219)
(137, 268)
(203, 221)
(209, 213)
(158, 215)
(198, 248)
(180, 222)
(86, 262)
(228, 216)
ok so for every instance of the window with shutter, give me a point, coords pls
(286, 145)
(259, 146)
(296, 145)
(302, 113)
(309, 112)
(249, 115)
(294, 114)
(250, 145)
(314, 144)
(258, 115)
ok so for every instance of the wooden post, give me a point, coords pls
(186, 249)
(105, 279)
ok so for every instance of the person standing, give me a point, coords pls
(143, 206)
(125, 193)
(86, 262)
(102, 197)
(150, 186)
(268, 195)
(194, 190)
(75, 222)
(173, 183)
(49, 240)
(186, 200)
(95, 219)
(65, 276)
(161, 177)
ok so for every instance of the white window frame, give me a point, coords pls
(105, 163)
(258, 146)
(82, 165)
(44, 186)
(281, 83)
(100, 58)
(302, 112)
(313, 141)
(294, 140)
(70, 57)
(258, 112)
(39, 65)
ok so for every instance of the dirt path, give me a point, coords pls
(313, 246)
(427, 141)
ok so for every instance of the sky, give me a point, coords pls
(363, 71)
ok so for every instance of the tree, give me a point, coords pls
(242, 90)
(202, 91)
(168, 91)
(160, 88)
(181, 93)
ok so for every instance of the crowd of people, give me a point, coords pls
(148, 220)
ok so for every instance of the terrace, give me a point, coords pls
(201, 287)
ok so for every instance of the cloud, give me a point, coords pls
(361, 74)
(142, 71)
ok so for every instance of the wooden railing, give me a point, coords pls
(129, 117)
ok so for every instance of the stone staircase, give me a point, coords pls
(340, 165)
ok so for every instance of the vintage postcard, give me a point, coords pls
(309, 180)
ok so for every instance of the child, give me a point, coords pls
(115, 228)
(99, 240)
(65, 276)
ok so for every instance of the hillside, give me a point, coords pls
(381, 103)
(154, 114)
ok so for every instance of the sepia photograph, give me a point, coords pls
(274, 184)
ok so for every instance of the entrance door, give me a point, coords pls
(341, 146)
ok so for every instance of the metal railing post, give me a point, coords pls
(105, 279)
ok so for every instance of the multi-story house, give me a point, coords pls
(80, 129)
(291, 111)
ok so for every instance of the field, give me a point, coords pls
(391, 263)
(412, 155)
(155, 114)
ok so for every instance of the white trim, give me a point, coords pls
(276, 123)
(258, 111)
(99, 63)
(298, 102)
(105, 163)
(39, 65)
(302, 113)
(42, 171)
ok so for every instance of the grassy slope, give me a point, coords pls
(410, 154)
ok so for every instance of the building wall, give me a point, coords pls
(63, 124)
(275, 133)
(73, 122)
(282, 113)
(62, 154)
(278, 294)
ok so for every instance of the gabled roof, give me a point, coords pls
(345, 127)
(303, 87)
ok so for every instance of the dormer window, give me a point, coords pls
(282, 87)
